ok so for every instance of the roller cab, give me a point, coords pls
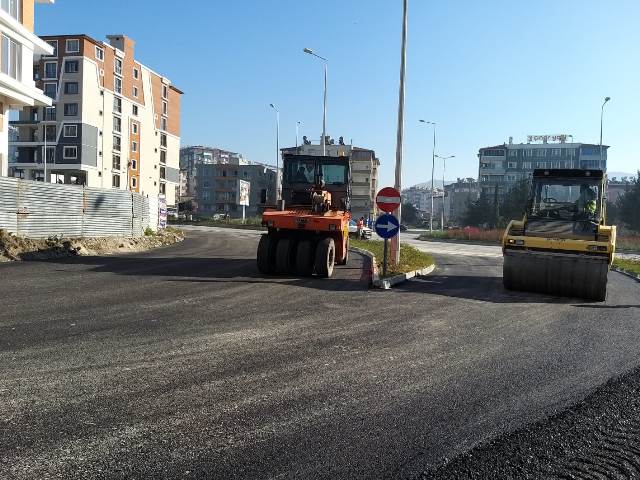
(563, 246)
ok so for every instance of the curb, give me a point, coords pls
(627, 273)
(387, 283)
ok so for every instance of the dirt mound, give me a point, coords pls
(14, 248)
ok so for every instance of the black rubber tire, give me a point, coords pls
(304, 258)
(346, 255)
(266, 255)
(285, 256)
(325, 257)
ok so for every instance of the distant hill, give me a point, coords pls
(436, 184)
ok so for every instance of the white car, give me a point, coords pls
(353, 230)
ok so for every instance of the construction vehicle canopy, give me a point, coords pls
(563, 245)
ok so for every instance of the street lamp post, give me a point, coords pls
(444, 167)
(298, 123)
(324, 106)
(433, 167)
(606, 99)
(277, 151)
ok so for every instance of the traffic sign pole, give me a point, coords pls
(386, 258)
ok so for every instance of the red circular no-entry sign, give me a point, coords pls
(388, 199)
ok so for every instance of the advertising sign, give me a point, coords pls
(244, 189)
(162, 212)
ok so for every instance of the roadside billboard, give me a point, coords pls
(244, 189)
(162, 212)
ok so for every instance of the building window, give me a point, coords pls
(163, 173)
(50, 133)
(73, 45)
(571, 152)
(117, 85)
(71, 88)
(115, 181)
(11, 58)
(163, 156)
(512, 165)
(70, 109)
(556, 152)
(135, 110)
(134, 182)
(513, 153)
(117, 145)
(50, 68)
(163, 189)
(117, 124)
(163, 124)
(134, 164)
(117, 66)
(135, 92)
(542, 152)
(134, 128)
(134, 146)
(99, 54)
(165, 108)
(526, 165)
(163, 140)
(70, 152)
(136, 73)
(54, 44)
(51, 90)
(511, 178)
(71, 66)
(117, 104)
(115, 162)
(542, 165)
(165, 91)
(50, 114)
(70, 130)
(528, 152)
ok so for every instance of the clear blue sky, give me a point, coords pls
(484, 70)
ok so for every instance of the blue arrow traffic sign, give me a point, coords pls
(387, 226)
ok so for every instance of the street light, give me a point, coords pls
(606, 99)
(324, 107)
(444, 167)
(277, 151)
(298, 123)
(433, 166)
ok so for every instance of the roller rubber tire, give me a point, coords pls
(325, 257)
(346, 255)
(266, 255)
(304, 258)
(285, 256)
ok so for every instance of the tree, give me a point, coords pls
(629, 205)
(514, 202)
(481, 213)
(410, 214)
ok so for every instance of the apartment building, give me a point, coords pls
(502, 166)
(458, 195)
(17, 86)
(364, 173)
(113, 123)
(217, 190)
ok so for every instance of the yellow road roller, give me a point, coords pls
(562, 246)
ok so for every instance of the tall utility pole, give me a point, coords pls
(297, 131)
(606, 99)
(444, 167)
(395, 241)
(433, 167)
(324, 107)
(277, 151)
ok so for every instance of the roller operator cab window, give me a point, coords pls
(566, 199)
(300, 171)
(334, 174)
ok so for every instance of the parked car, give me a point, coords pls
(353, 230)
(403, 227)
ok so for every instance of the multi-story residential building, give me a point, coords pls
(364, 174)
(502, 166)
(114, 122)
(192, 156)
(218, 187)
(19, 45)
(457, 198)
(420, 197)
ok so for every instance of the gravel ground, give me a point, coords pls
(597, 438)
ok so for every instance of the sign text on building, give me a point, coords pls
(546, 138)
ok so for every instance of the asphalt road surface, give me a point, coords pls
(185, 362)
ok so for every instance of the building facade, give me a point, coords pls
(458, 195)
(17, 86)
(502, 166)
(364, 174)
(113, 123)
(218, 184)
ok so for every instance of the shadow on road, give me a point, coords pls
(606, 306)
(483, 288)
(220, 270)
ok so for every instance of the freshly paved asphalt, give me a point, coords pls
(186, 363)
